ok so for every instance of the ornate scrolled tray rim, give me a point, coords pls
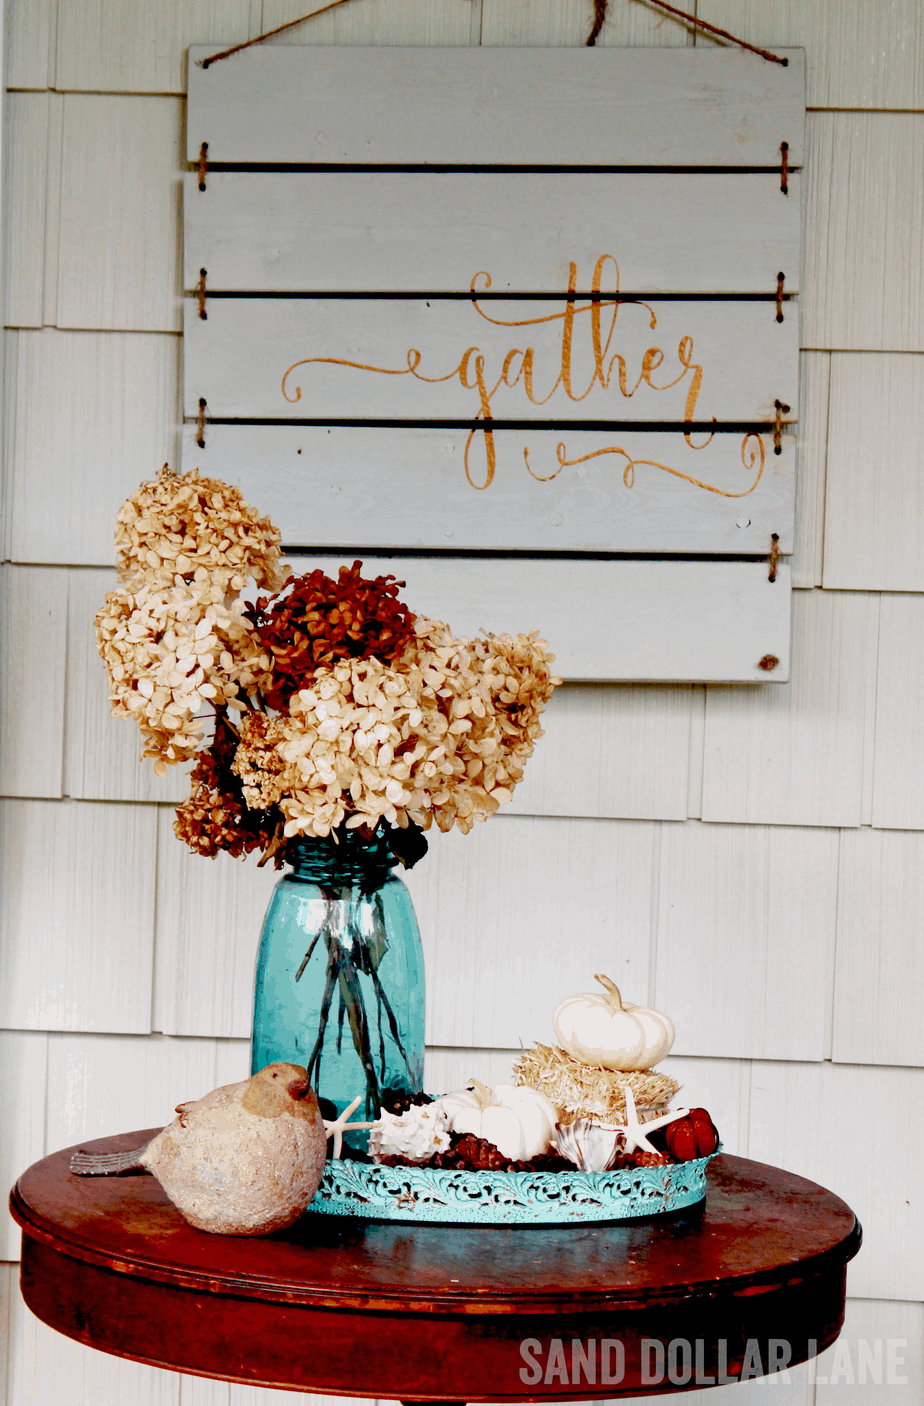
(375, 1192)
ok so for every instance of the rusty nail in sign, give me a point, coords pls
(768, 662)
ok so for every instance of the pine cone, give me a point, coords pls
(646, 1159)
(398, 1101)
(476, 1154)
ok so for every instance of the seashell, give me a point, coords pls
(413, 1136)
(592, 1147)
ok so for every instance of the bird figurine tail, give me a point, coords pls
(107, 1164)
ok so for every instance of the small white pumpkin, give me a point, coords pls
(519, 1121)
(598, 1028)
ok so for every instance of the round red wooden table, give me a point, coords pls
(751, 1279)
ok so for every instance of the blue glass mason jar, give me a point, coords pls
(339, 982)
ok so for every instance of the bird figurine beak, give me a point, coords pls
(298, 1088)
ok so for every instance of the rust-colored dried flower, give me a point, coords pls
(184, 526)
(318, 621)
(216, 817)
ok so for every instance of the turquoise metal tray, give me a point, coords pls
(506, 1198)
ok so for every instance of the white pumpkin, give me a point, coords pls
(598, 1028)
(519, 1121)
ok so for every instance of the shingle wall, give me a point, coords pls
(750, 859)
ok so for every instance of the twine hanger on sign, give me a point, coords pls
(280, 29)
(600, 8)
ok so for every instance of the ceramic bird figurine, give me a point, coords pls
(244, 1160)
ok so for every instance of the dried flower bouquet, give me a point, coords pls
(350, 710)
(333, 708)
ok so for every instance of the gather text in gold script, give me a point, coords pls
(519, 366)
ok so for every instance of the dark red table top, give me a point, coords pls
(760, 1230)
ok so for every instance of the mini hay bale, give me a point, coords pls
(588, 1091)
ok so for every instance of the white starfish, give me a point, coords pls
(336, 1127)
(635, 1137)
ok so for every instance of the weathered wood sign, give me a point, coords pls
(418, 321)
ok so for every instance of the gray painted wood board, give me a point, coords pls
(358, 486)
(433, 231)
(416, 359)
(572, 107)
(661, 620)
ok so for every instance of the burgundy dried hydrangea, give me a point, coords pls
(315, 621)
(216, 816)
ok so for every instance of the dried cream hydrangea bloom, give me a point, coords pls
(334, 755)
(481, 699)
(171, 635)
(167, 650)
(444, 734)
(184, 525)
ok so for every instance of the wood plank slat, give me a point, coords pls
(880, 1349)
(811, 463)
(105, 48)
(53, 184)
(576, 107)
(310, 359)
(8, 1288)
(205, 1391)
(100, 1081)
(433, 232)
(240, 1395)
(503, 939)
(77, 952)
(898, 759)
(119, 262)
(351, 485)
(874, 512)
(23, 1076)
(102, 754)
(87, 416)
(720, 1085)
(208, 920)
(863, 288)
(879, 971)
(448, 1067)
(619, 751)
(697, 752)
(857, 55)
(795, 756)
(807, 1116)
(33, 634)
(30, 59)
(609, 620)
(745, 927)
(24, 171)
